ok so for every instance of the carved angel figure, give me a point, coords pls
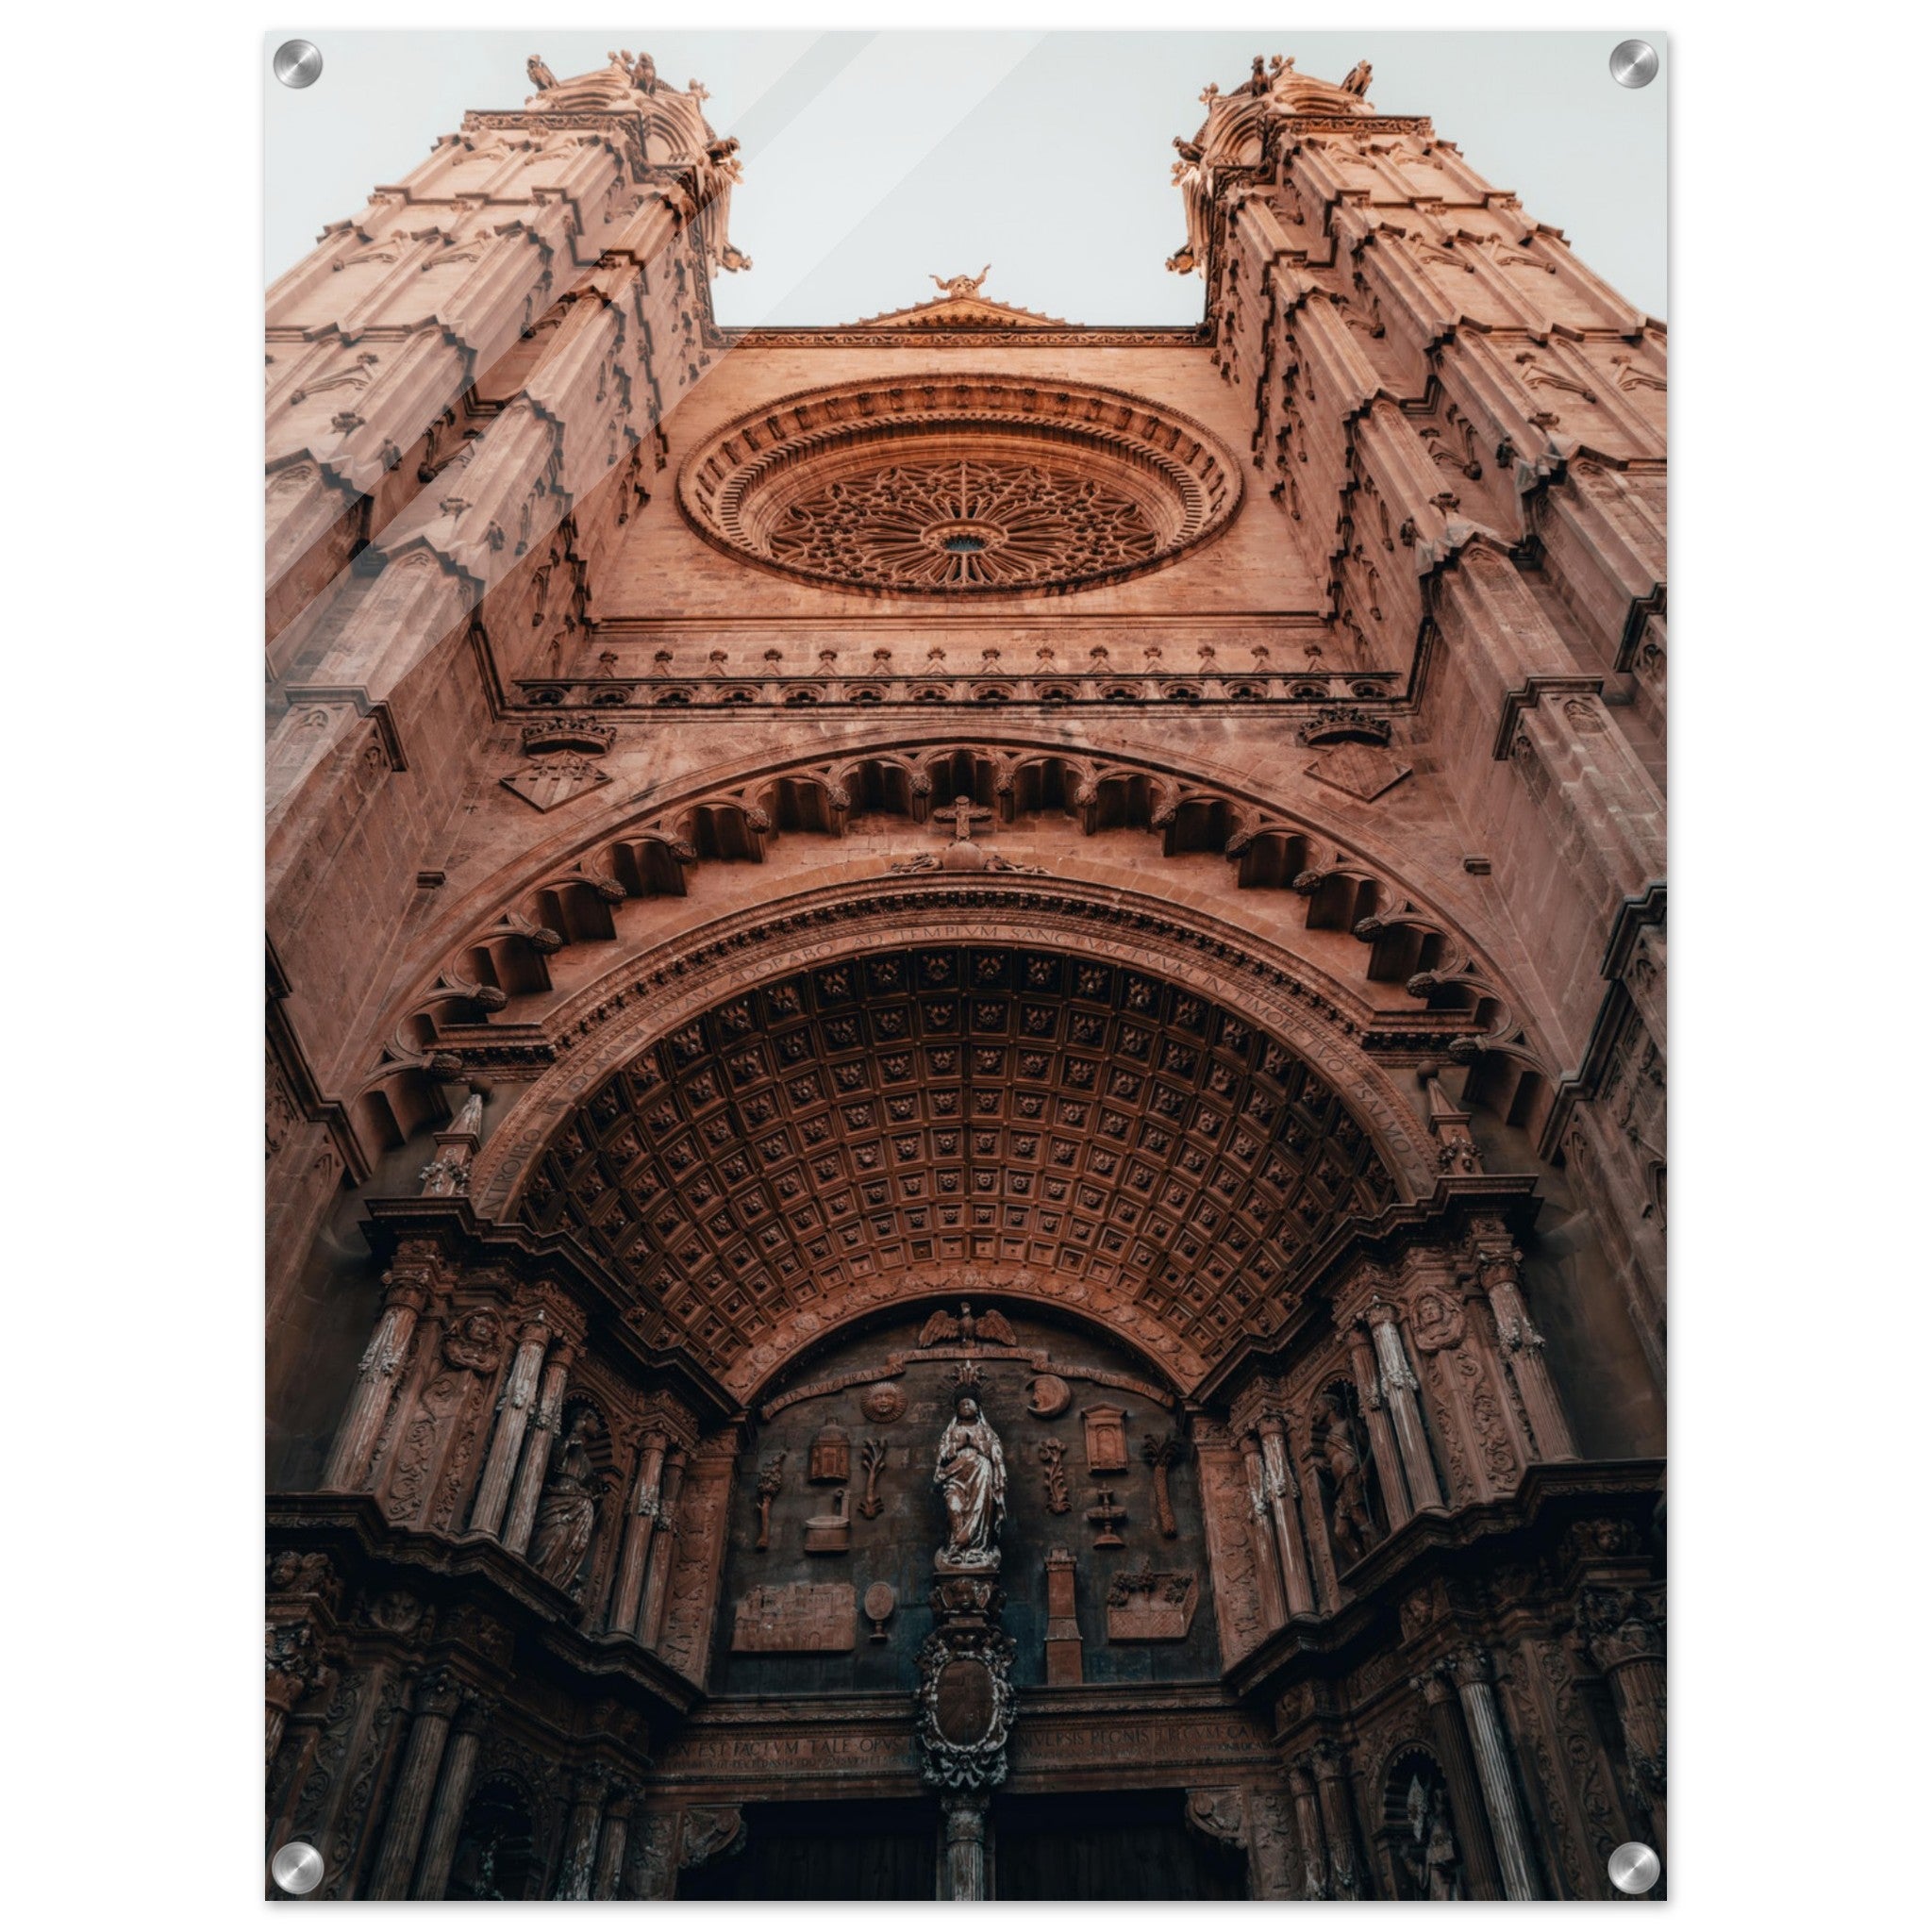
(540, 76)
(1357, 79)
(970, 1475)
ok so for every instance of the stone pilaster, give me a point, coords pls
(1261, 1536)
(522, 1517)
(1497, 1263)
(1399, 1384)
(638, 1523)
(1337, 1824)
(376, 1376)
(1308, 1818)
(1278, 1477)
(615, 1837)
(512, 1420)
(1622, 1635)
(452, 1798)
(662, 1555)
(1436, 1688)
(437, 1696)
(964, 1877)
(578, 1868)
(1475, 1687)
(1387, 1457)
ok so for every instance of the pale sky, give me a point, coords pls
(873, 160)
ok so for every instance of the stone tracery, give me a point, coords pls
(982, 523)
(978, 484)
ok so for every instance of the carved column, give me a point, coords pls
(452, 1799)
(1307, 1821)
(388, 1348)
(1331, 1792)
(660, 1557)
(298, 1631)
(965, 1873)
(512, 1419)
(522, 1519)
(638, 1526)
(1317, 1529)
(1437, 1688)
(578, 1864)
(1381, 1435)
(1262, 1535)
(1623, 1639)
(611, 1847)
(437, 1697)
(1523, 1349)
(1281, 1487)
(1271, 1840)
(1399, 1384)
(1476, 1686)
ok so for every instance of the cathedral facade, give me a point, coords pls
(965, 1045)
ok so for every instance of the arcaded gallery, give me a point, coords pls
(965, 1043)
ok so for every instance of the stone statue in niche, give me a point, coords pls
(970, 1475)
(771, 1480)
(1435, 1864)
(1354, 1528)
(568, 1513)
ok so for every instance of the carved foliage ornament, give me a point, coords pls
(975, 485)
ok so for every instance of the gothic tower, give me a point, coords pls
(965, 1045)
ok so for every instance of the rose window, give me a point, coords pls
(978, 485)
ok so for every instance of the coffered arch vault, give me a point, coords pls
(980, 1078)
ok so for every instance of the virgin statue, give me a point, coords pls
(971, 1474)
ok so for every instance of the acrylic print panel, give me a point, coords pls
(966, 930)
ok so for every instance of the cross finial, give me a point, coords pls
(962, 812)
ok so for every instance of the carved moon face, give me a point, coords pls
(884, 1401)
(1050, 1396)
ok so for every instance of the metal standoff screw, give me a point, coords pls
(297, 1866)
(1633, 63)
(1634, 1868)
(298, 63)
